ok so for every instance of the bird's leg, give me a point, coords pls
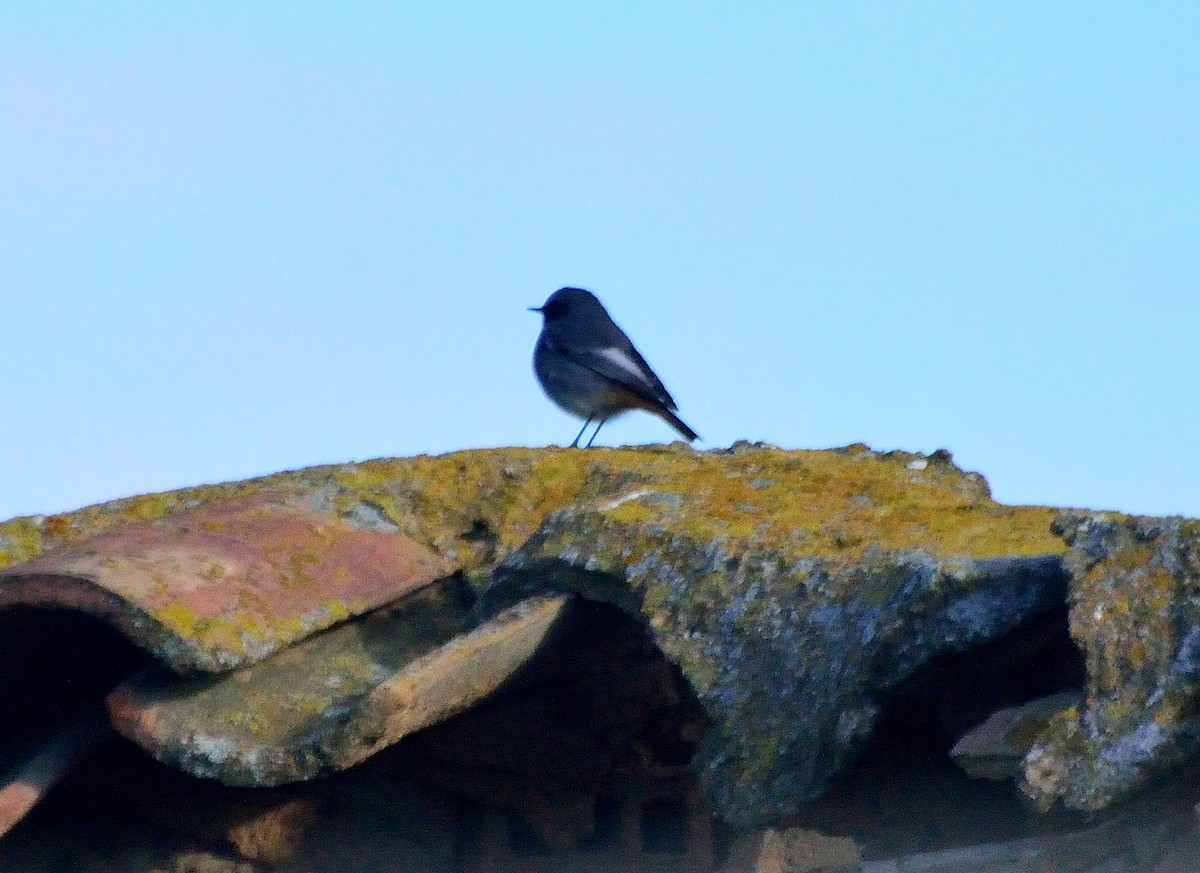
(575, 442)
(596, 431)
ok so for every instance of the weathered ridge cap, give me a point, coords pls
(792, 633)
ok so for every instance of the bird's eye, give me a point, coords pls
(554, 308)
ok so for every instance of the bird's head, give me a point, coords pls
(569, 301)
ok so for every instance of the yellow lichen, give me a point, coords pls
(837, 503)
(179, 619)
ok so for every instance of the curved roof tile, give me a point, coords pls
(226, 584)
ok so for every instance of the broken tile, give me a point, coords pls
(337, 698)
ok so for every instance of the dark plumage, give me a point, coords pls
(587, 365)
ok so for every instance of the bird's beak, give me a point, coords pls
(536, 308)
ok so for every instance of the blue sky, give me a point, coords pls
(237, 238)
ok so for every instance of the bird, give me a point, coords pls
(586, 364)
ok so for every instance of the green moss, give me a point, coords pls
(655, 597)
(147, 507)
(700, 671)
(253, 720)
(632, 512)
(20, 540)
(880, 584)
(555, 473)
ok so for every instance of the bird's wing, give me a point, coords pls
(623, 365)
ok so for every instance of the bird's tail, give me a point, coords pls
(676, 422)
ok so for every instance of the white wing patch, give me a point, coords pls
(626, 363)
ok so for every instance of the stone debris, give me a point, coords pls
(275, 834)
(996, 749)
(795, 850)
(205, 862)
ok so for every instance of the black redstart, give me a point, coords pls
(588, 366)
